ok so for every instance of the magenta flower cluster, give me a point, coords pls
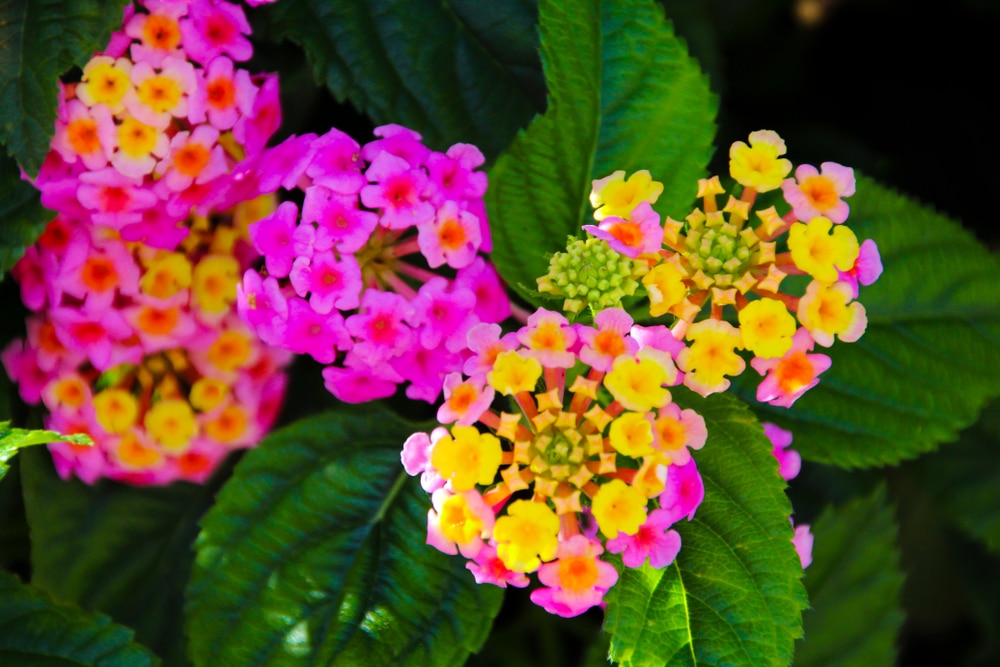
(377, 275)
(141, 349)
(158, 122)
(135, 338)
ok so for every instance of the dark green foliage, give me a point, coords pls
(623, 94)
(35, 631)
(930, 358)
(854, 586)
(460, 71)
(314, 555)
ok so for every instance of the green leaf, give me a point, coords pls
(733, 597)
(115, 548)
(964, 479)
(14, 439)
(623, 94)
(24, 218)
(457, 71)
(930, 358)
(315, 554)
(41, 39)
(854, 585)
(37, 632)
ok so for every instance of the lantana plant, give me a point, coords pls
(485, 346)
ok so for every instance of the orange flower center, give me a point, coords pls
(99, 274)
(82, 136)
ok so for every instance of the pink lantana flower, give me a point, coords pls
(399, 141)
(85, 133)
(803, 542)
(338, 218)
(443, 315)
(549, 338)
(485, 342)
(158, 33)
(487, 568)
(113, 199)
(789, 461)
(641, 233)
(482, 279)
(261, 305)
(336, 164)
(610, 340)
(464, 401)
(95, 334)
(214, 29)
(787, 378)
(453, 175)
(813, 194)
(380, 327)
(358, 381)
(416, 457)
(653, 543)
(677, 432)
(452, 237)
(577, 579)
(397, 191)
(272, 237)
(195, 157)
(226, 96)
(684, 491)
(329, 283)
(309, 332)
(866, 270)
(458, 522)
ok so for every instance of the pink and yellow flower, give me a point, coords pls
(719, 274)
(598, 446)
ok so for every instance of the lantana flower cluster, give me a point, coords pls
(377, 275)
(720, 274)
(589, 456)
(141, 349)
(159, 120)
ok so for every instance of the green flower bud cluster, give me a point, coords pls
(591, 274)
(719, 249)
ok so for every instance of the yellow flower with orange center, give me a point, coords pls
(513, 373)
(767, 328)
(136, 455)
(172, 424)
(638, 383)
(230, 351)
(214, 283)
(526, 536)
(136, 139)
(459, 522)
(208, 393)
(818, 252)
(711, 356)
(160, 93)
(467, 457)
(116, 410)
(229, 426)
(759, 165)
(619, 508)
(105, 81)
(616, 196)
(166, 274)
